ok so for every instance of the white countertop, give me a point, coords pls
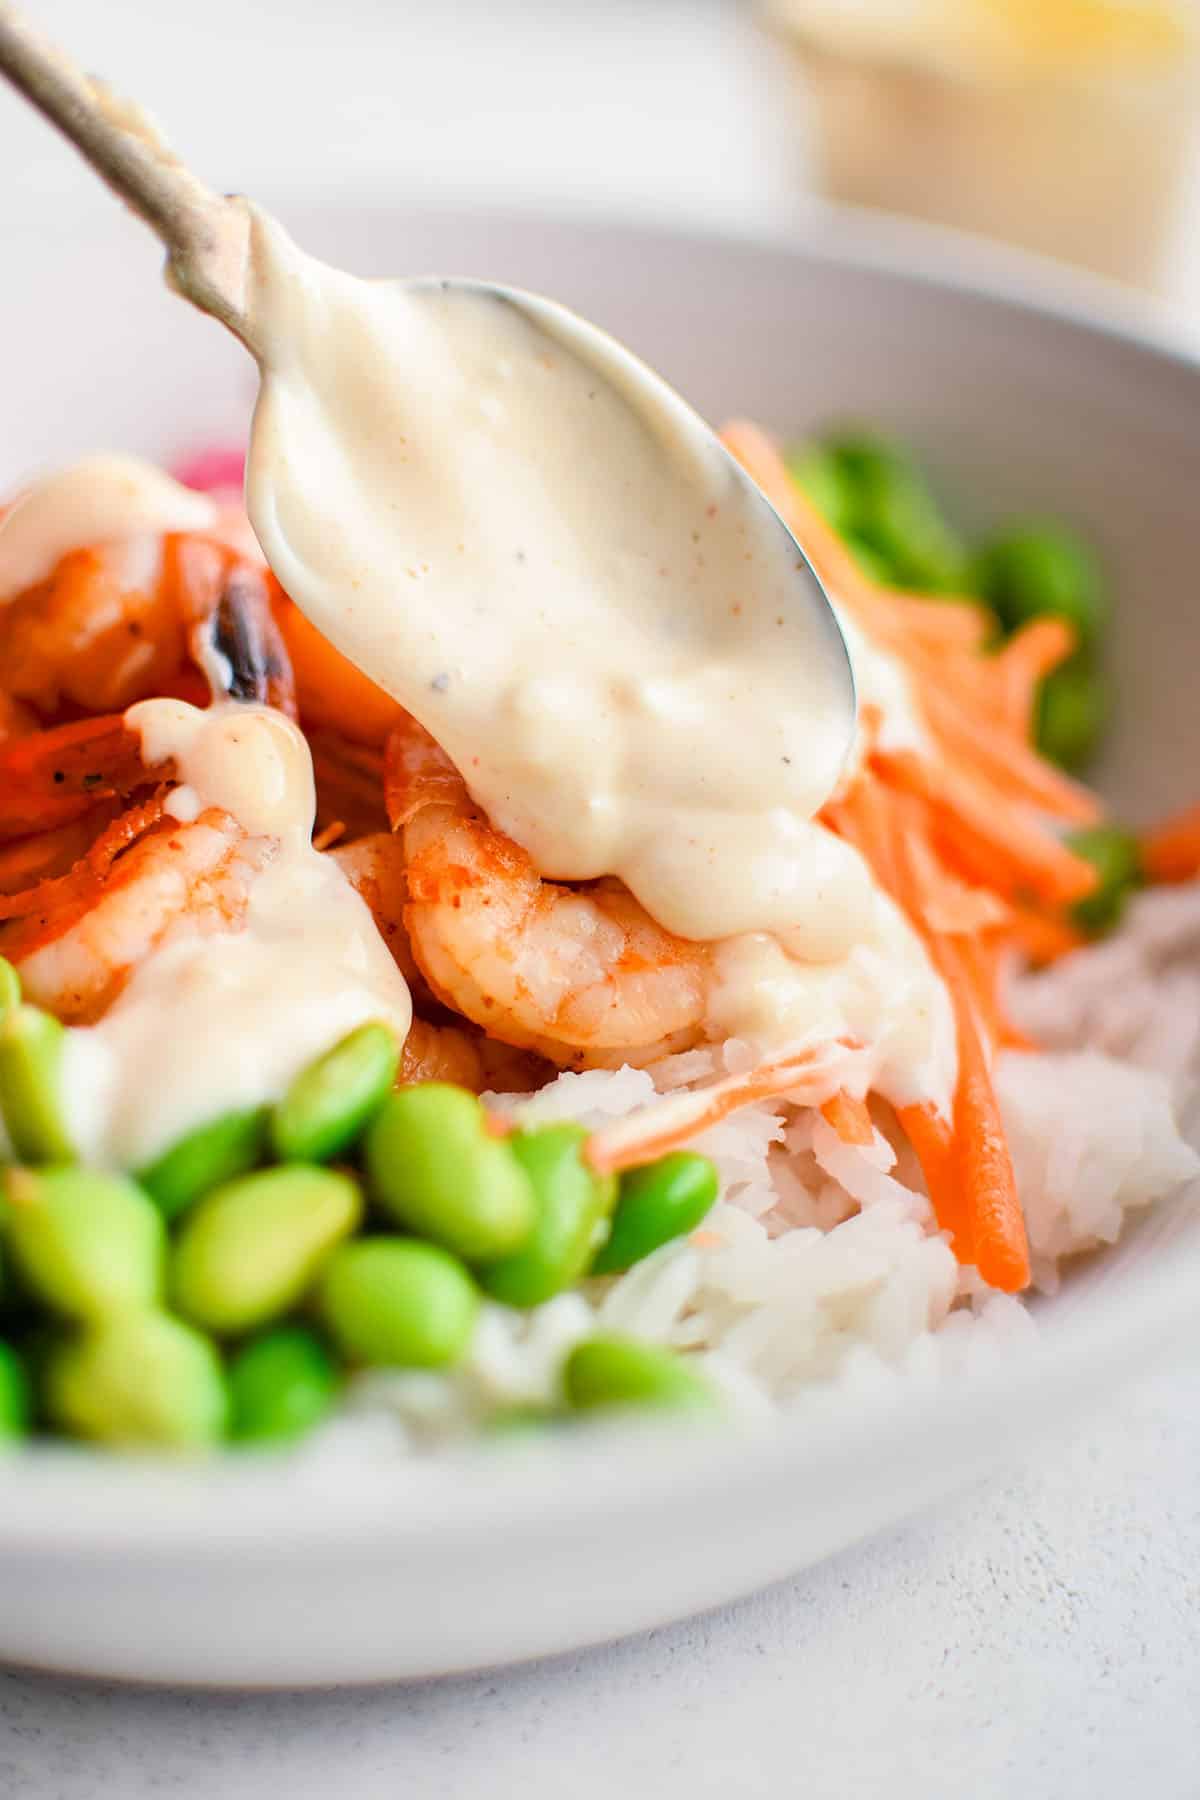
(1038, 1639)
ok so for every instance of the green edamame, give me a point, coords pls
(433, 1166)
(398, 1302)
(573, 1207)
(662, 1201)
(281, 1385)
(620, 1372)
(1040, 569)
(329, 1103)
(16, 1405)
(891, 510)
(251, 1249)
(819, 473)
(1072, 711)
(874, 566)
(10, 987)
(205, 1158)
(85, 1243)
(141, 1378)
(1113, 853)
(31, 1046)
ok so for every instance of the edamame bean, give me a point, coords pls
(140, 1378)
(1072, 711)
(1040, 569)
(1113, 853)
(251, 1249)
(655, 1204)
(573, 1206)
(893, 512)
(398, 1302)
(15, 1401)
(10, 987)
(213, 1153)
(330, 1101)
(31, 1047)
(874, 566)
(818, 472)
(280, 1385)
(84, 1243)
(433, 1166)
(620, 1372)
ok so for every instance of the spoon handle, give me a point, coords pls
(206, 235)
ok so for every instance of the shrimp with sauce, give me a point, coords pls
(76, 936)
(573, 973)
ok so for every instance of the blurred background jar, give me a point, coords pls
(1065, 126)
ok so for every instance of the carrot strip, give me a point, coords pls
(932, 1137)
(1029, 656)
(1041, 937)
(976, 1190)
(994, 839)
(1012, 765)
(664, 1124)
(997, 1223)
(1171, 851)
(849, 1117)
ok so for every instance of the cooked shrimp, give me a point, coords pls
(117, 622)
(374, 867)
(575, 974)
(50, 777)
(464, 1056)
(43, 855)
(76, 949)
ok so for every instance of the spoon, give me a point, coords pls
(530, 541)
(207, 242)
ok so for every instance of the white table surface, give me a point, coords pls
(1039, 1638)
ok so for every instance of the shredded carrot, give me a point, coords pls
(849, 1117)
(1171, 851)
(1041, 937)
(1028, 657)
(992, 840)
(985, 1208)
(932, 1137)
(1024, 777)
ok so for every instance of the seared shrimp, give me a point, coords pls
(77, 940)
(117, 622)
(575, 974)
(464, 1056)
(50, 777)
(374, 867)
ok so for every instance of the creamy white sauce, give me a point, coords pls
(601, 629)
(96, 501)
(883, 995)
(211, 1021)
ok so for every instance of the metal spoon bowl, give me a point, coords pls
(207, 239)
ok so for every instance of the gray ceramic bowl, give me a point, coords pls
(1021, 399)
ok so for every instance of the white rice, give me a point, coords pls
(821, 1264)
